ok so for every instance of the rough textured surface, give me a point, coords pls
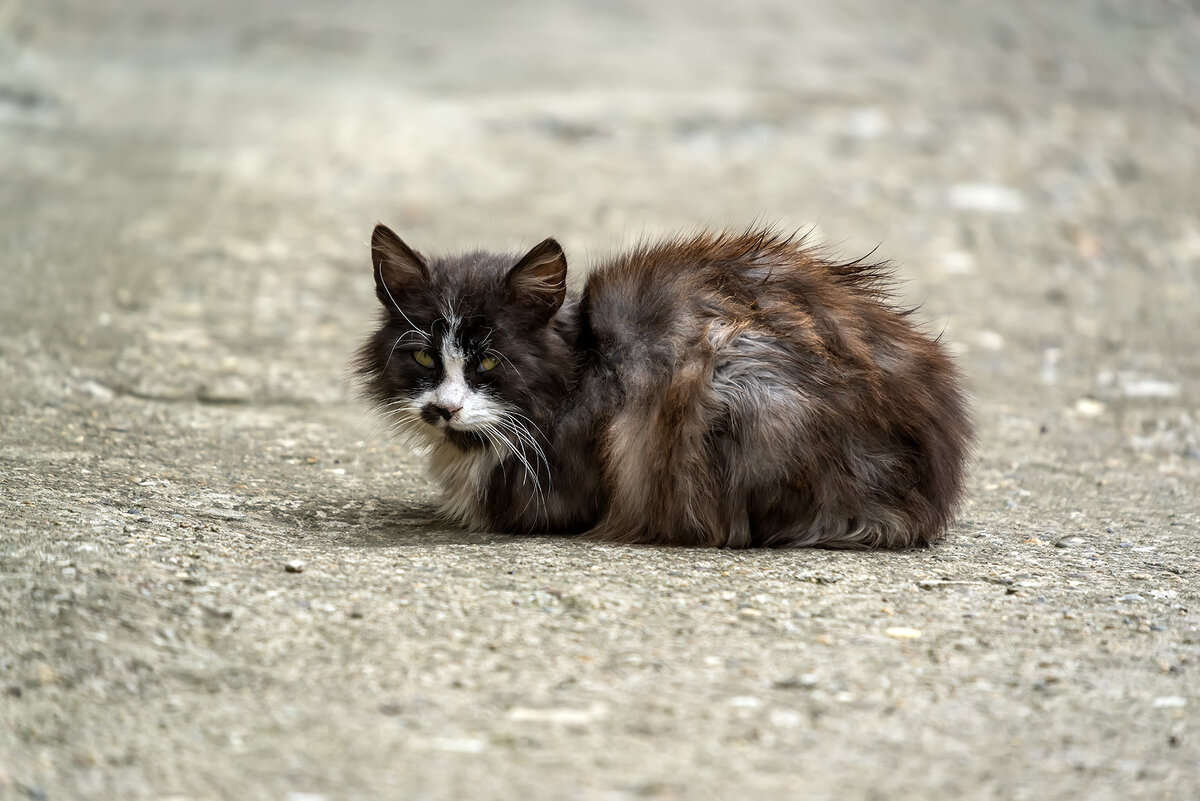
(217, 580)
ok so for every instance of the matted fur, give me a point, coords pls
(727, 389)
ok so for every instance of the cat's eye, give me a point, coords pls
(423, 358)
(487, 363)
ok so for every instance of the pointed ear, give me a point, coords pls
(399, 270)
(538, 282)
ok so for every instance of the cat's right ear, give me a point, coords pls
(538, 282)
(399, 270)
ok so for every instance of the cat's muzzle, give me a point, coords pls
(440, 416)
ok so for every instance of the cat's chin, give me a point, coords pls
(465, 440)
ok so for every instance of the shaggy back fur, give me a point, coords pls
(724, 389)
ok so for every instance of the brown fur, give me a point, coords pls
(721, 390)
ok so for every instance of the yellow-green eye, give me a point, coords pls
(488, 362)
(423, 358)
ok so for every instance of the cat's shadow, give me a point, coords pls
(392, 523)
(401, 523)
(398, 524)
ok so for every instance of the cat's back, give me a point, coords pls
(758, 393)
(668, 302)
(660, 297)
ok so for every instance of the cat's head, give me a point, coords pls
(468, 350)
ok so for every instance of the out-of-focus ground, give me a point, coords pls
(186, 191)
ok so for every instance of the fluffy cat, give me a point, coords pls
(723, 389)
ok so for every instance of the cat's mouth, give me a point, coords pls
(448, 424)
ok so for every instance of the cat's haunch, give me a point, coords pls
(724, 389)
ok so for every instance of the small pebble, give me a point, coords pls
(786, 718)
(1088, 407)
(1169, 702)
(817, 578)
(902, 633)
(1149, 388)
(43, 674)
(97, 391)
(456, 745)
(224, 514)
(805, 682)
(560, 715)
(993, 198)
(294, 566)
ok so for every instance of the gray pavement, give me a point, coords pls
(186, 191)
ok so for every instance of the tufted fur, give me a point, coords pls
(723, 389)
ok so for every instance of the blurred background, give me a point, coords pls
(201, 178)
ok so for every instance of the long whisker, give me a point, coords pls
(396, 305)
(502, 446)
(522, 418)
(525, 440)
(497, 354)
(518, 453)
(521, 423)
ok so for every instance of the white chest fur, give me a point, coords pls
(463, 478)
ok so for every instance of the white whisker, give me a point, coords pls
(396, 306)
(523, 445)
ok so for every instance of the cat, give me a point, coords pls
(722, 389)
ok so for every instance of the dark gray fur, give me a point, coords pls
(718, 390)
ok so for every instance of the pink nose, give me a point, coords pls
(446, 412)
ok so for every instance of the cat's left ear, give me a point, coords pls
(399, 270)
(538, 282)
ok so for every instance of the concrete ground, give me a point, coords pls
(186, 191)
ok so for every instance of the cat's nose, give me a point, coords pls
(431, 413)
(446, 412)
